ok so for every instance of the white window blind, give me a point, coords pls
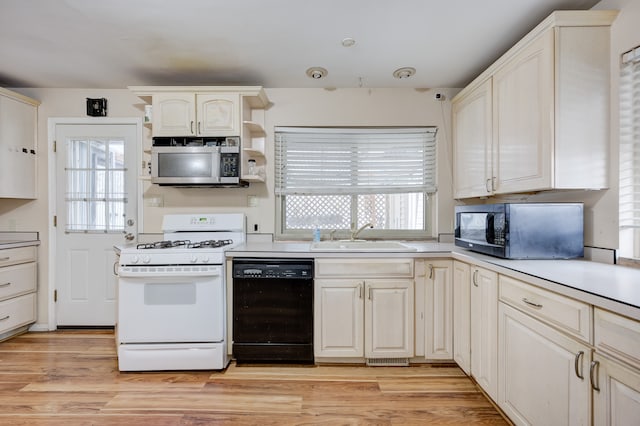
(630, 140)
(355, 160)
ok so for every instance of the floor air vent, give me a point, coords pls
(388, 362)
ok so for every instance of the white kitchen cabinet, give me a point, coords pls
(196, 114)
(543, 374)
(484, 329)
(616, 394)
(615, 371)
(18, 155)
(437, 304)
(18, 285)
(462, 315)
(363, 308)
(472, 135)
(549, 112)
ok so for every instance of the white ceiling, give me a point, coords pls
(117, 43)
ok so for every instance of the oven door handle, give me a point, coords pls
(169, 271)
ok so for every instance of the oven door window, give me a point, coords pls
(171, 309)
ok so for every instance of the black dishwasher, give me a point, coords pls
(273, 310)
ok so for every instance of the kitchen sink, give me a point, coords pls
(360, 245)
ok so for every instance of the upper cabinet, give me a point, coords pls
(196, 114)
(18, 141)
(538, 118)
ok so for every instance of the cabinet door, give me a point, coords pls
(17, 148)
(462, 315)
(218, 114)
(617, 402)
(439, 310)
(544, 374)
(389, 318)
(174, 114)
(523, 105)
(338, 318)
(484, 330)
(472, 139)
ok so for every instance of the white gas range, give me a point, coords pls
(172, 295)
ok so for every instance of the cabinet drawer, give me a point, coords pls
(17, 255)
(617, 335)
(17, 312)
(363, 268)
(566, 314)
(18, 279)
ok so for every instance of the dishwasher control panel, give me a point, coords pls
(262, 269)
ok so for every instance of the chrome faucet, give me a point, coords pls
(354, 232)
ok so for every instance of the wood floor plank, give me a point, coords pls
(68, 378)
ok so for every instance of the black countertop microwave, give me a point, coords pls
(522, 230)
(196, 161)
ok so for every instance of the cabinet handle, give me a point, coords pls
(578, 363)
(486, 185)
(430, 271)
(592, 375)
(191, 126)
(493, 183)
(5, 318)
(359, 291)
(532, 304)
(370, 294)
(2, 259)
(199, 127)
(115, 268)
(475, 278)
(5, 284)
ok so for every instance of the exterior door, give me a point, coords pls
(95, 209)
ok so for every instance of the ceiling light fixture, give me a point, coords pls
(404, 72)
(317, 73)
(348, 42)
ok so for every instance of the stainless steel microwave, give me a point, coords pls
(187, 161)
(522, 230)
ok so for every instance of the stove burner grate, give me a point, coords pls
(185, 244)
(164, 244)
(210, 244)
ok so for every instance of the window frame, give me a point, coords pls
(414, 234)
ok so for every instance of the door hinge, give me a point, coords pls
(55, 221)
(55, 146)
(55, 295)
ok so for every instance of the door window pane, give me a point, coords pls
(95, 196)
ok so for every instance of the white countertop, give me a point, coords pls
(612, 287)
(11, 239)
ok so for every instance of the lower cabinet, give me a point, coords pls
(462, 315)
(438, 303)
(363, 318)
(616, 393)
(543, 374)
(484, 329)
(615, 371)
(364, 311)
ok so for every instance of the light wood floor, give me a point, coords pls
(71, 378)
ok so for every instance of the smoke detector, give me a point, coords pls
(317, 73)
(404, 72)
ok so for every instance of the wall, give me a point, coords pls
(291, 107)
(319, 107)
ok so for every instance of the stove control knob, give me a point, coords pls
(134, 259)
(205, 259)
(193, 259)
(146, 259)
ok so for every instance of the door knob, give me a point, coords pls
(130, 222)
(129, 236)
